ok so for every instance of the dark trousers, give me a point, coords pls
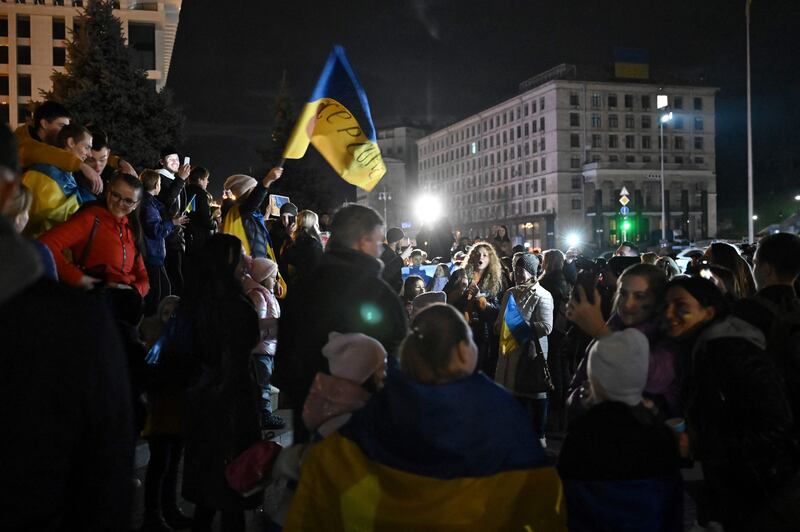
(204, 517)
(537, 408)
(265, 365)
(161, 481)
(174, 265)
(160, 287)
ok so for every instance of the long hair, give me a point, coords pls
(425, 352)
(491, 281)
(726, 255)
(553, 261)
(307, 223)
(656, 280)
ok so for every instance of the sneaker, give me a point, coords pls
(543, 441)
(272, 422)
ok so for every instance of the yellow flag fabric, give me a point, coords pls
(340, 489)
(338, 122)
(50, 205)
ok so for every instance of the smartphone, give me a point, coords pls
(186, 161)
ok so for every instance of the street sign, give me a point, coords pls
(624, 200)
(624, 210)
(624, 192)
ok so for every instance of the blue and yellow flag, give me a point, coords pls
(338, 122)
(631, 63)
(191, 206)
(460, 456)
(515, 331)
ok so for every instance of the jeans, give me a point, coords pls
(265, 365)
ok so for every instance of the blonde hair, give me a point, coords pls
(306, 222)
(491, 281)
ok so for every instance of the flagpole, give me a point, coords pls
(750, 221)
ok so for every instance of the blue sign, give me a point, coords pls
(624, 211)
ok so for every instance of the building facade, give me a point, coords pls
(553, 160)
(394, 195)
(33, 35)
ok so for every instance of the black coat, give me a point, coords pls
(66, 455)
(173, 197)
(344, 294)
(201, 224)
(300, 258)
(392, 268)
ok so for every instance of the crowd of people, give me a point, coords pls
(422, 390)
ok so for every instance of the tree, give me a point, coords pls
(103, 87)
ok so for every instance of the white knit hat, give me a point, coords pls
(240, 184)
(618, 365)
(353, 356)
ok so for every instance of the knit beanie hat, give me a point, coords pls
(353, 356)
(618, 365)
(395, 234)
(263, 268)
(166, 151)
(240, 184)
(528, 261)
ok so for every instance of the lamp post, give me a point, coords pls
(663, 119)
(384, 197)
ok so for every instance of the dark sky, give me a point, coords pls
(436, 61)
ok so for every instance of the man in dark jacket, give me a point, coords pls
(173, 196)
(345, 294)
(392, 262)
(66, 456)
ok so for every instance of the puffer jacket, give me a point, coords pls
(157, 226)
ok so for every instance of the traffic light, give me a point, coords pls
(626, 224)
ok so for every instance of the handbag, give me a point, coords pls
(533, 375)
(246, 473)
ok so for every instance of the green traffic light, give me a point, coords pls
(626, 225)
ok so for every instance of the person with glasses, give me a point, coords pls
(104, 240)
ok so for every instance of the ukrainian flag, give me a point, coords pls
(338, 122)
(460, 456)
(515, 331)
(191, 206)
(631, 63)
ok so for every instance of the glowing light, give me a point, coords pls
(573, 240)
(428, 208)
(666, 117)
(371, 314)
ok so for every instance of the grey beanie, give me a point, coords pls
(529, 261)
(618, 365)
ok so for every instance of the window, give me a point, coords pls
(77, 3)
(630, 158)
(142, 43)
(3, 84)
(612, 101)
(630, 142)
(646, 159)
(699, 160)
(574, 140)
(677, 102)
(698, 143)
(3, 26)
(525, 110)
(645, 101)
(698, 123)
(23, 27)
(535, 205)
(541, 144)
(596, 121)
(4, 113)
(678, 143)
(679, 159)
(613, 158)
(544, 165)
(544, 200)
(677, 122)
(596, 141)
(541, 123)
(613, 121)
(3, 55)
(541, 105)
(596, 101)
(613, 141)
(533, 106)
(24, 84)
(59, 28)
(647, 121)
(629, 101)
(574, 120)
(646, 142)
(59, 56)
(630, 122)
(573, 99)
(698, 104)
(23, 55)
(576, 204)
(576, 182)
(535, 171)
(595, 158)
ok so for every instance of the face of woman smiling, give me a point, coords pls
(635, 302)
(684, 314)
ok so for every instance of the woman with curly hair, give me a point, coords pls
(486, 287)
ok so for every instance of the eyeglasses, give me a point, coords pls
(128, 202)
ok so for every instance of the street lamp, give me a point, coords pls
(384, 197)
(665, 117)
(428, 208)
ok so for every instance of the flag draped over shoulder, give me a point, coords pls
(338, 122)
(457, 456)
(515, 331)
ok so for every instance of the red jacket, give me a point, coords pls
(113, 247)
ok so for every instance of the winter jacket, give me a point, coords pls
(344, 294)
(392, 268)
(300, 258)
(157, 226)
(56, 197)
(33, 151)
(113, 252)
(173, 197)
(535, 304)
(253, 222)
(201, 224)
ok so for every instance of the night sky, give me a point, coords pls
(432, 62)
